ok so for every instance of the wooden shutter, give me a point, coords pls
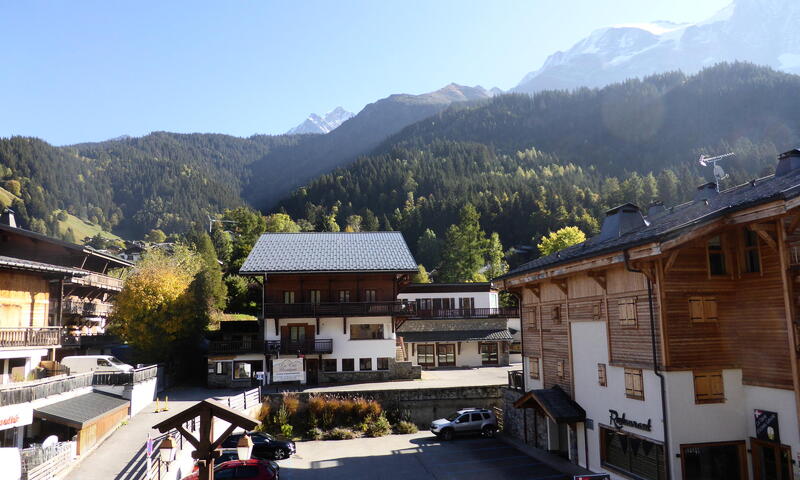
(708, 387)
(596, 311)
(710, 309)
(634, 386)
(560, 369)
(627, 311)
(285, 332)
(602, 379)
(556, 314)
(696, 309)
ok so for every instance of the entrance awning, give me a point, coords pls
(498, 335)
(76, 412)
(555, 403)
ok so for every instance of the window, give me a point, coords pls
(602, 380)
(637, 456)
(533, 366)
(752, 257)
(383, 363)
(556, 313)
(424, 304)
(560, 369)
(297, 334)
(634, 387)
(366, 331)
(365, 364)
(703, 309)
(529, 316)
(725, 460)
(314, 296)
(329, 365)
(241, 370)
(344, 296)
(627, 312)
(370, 295)
(596, 311)
(466, 303)
(446, 355)
(708, 387)
(488, 353)
(348, 364)
(476, 417)
(425, 355)
(219, 368)
(716, 256)
(288, 297)
(101, 362)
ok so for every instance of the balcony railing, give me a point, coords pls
(88, 340)
(92, 309)
(137, 375)
(288, 347)
(23, 392)
(343, 309)
(234, 346)
(98, 280)
(516, 381)
(501, 312)
(30, 336)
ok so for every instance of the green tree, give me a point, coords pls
(560, 239)
(465, 248)
(223, 243)
(69, 236)
(421, 276)
(247, 225)
(62, 216)
(329, 221)
(353, 223)
(14, 187)
(496, 264)
(281, 223)
(155, 236)
(371, 223)
(429, 249)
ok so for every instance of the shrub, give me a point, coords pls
(360, 408)
(339, 433)
(264, 411)
(316, 404)
(315, 434)
(378, 427)
(403, 426)
(282, 416)
(286, 430)
(291, 402)
(373, 409)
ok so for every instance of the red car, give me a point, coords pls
(242, 470)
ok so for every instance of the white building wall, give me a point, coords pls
(32, 358)
(481, 299)
(470, 355)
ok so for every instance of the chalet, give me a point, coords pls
(457, 325)
(330, 307)
(666, 346)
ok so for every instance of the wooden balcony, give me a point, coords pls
(287, 347)
(87, 309)
(343, 309)
(30, 337)
(235, 346)
(23, 392)
(444, 313)
(98, 280)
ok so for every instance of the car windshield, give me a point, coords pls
(453, 416)
(115, 361)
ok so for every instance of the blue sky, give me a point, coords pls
(90, 70)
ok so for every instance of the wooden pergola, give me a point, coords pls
(206, 446)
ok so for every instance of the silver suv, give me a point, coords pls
(466, 420)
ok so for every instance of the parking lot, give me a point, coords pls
(417, 456)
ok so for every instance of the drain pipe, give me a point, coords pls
(662, 380)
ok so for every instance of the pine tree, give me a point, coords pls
(465, 249)
(429, 249)
(496, 264)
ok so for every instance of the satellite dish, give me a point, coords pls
(719, 173)
(50, 441)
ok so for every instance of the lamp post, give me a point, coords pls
(244, 448)
(165, 450)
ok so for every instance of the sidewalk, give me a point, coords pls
(121, 455)
(551, 460)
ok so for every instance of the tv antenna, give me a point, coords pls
(719, 173)
(212, 221)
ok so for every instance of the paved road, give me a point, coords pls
(419, 456)
(120, 457)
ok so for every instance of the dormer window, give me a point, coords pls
(716, 256)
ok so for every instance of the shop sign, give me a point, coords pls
(288, 370)
(620, 421)
(767, 426)
(15, 416)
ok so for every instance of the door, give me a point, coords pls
(312, 369)
(447, 355)
(563, 440)
(488, 353)
(714, 461)
(771, 461)
(462, 424)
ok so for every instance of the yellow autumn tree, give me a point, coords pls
(155, 311)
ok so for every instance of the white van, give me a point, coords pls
(94, 363)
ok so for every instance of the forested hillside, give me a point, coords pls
(531, 164)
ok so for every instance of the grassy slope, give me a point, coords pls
(83, 229)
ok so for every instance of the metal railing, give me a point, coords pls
(98, 280)
(23, 392)
(88, 340)
(137, 375)
(516, 381)
(80, 307)
(288, 347)
(234, 346)
(441, 313)
(343, 309)
(30, 336)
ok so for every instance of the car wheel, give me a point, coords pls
(280, 454)
(489, 431)
(447, 435)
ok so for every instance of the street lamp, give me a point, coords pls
(166, 449)
(244, 447)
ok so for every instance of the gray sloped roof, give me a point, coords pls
(496, 335)
(330, 252)
(556, 404)
(31, 266)
(676, 220)
(78, 411)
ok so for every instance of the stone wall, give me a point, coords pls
(515, 421)
(397, 371)
(452, 325)
(424, 405)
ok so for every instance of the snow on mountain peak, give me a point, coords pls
(316, 124)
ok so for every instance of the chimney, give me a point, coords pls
(621, 220)
(656, 209)
(8, 218)
(707, 191)
(788, 162)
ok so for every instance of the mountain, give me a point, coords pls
(758, 31)
(316, 124)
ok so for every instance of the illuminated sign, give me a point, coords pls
(12, 416)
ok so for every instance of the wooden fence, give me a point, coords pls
(44, 463)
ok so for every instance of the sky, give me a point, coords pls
(83, 71)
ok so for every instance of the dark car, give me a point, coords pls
(242, 470)
(264, 445)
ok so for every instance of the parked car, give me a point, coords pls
(94, 363)
(465, 421)
(228, 454)
(242, 470)
(264, 445)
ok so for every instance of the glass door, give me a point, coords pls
(771, 461)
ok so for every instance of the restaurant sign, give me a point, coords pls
(620, 421)
(767, 426)
(15, 416)
(288, 370)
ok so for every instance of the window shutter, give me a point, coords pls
(696, 309)
(710, 309)
(628, 383)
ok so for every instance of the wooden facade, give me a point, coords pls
(24, 299)
(385, 285)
